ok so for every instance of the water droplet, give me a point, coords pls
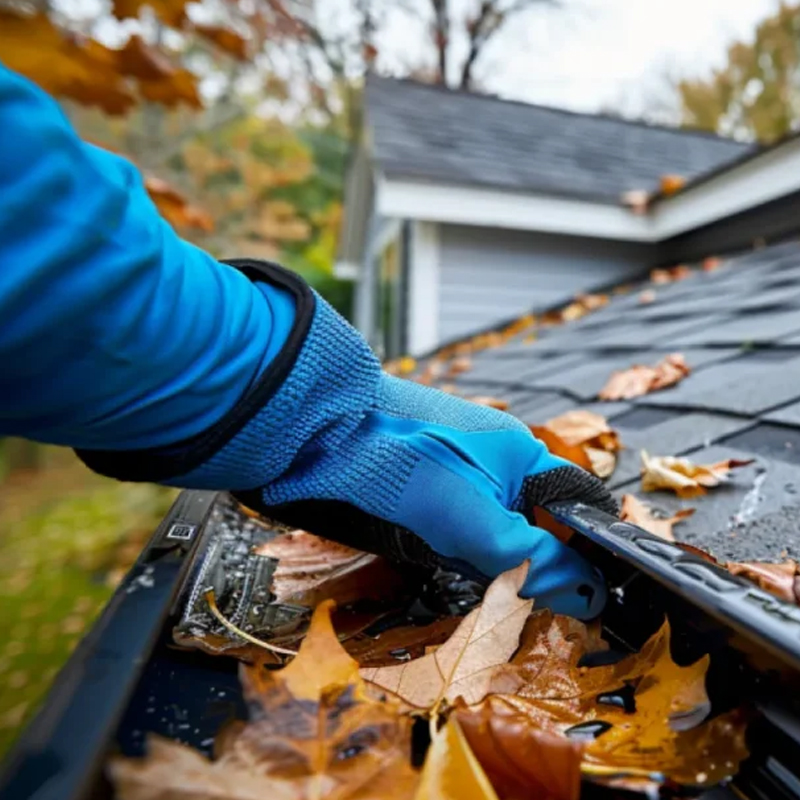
(701, 777)
(401, 654)
(348, 752)
(588, 731)
(619, 698)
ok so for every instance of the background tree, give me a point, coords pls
(756, 94)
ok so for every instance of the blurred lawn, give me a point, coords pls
(67, 537)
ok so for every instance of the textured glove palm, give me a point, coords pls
(340, 448)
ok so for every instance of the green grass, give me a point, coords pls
(66, 538)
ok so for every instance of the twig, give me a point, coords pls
(212, 604)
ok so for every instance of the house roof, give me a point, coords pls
(435, 134)
(739, 329)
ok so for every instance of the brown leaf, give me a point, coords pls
(711, 264)
(225, 39)
(174, 207)
(172, 91)
(683, 476)
(170, 12)
(660, 276)
(520, 759)
(62, 64)
(312, 569)
(778, 579)
(583, 437)
(138, 60)
(395, 644)
(457, 366)
(317, 733)
(637, 512)
(639, 380)
(671, 184)
(665, 733)
(646, 297)
(637, 200)
(467, 662)
(451, 771)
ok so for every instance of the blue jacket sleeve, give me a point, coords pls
(114, 333)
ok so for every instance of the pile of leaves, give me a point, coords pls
(509, 708)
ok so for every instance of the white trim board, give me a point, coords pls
(424, 263)
(767, 176)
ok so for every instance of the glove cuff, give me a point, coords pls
(166, 464)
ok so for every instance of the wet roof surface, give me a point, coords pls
(431, 133)
(739, 329)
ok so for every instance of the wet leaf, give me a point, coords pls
(467, 662)
(451, 771)
(520, 759)
(778, 579)
(639, 379)
(311, 569)
(639, 513)
(315, 732)
(400, 644)
(683, 476)
(655, 708)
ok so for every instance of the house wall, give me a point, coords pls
(488, 275)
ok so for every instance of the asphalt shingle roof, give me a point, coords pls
(742, 399)
(430, 133)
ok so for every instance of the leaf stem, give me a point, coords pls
(212, 604)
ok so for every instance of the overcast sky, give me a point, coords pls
(594, 54)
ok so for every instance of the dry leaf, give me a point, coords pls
(646, 297)
(778, 579)
(457, 366)
(451, 771)
(660, 276)
(400, 644)
(637, 512)
(665, 733)
(711, 264)
(637, 200)
(671, 184)
(170, 12)
(639, 380)
(311, 569)
(225, 39)
(583, 437)
(682, 476)
(467, 662)
(173, 206)
(519, 759)
(492, 402)
(317, 733)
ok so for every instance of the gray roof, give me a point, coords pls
(739, 329)
(436, 134)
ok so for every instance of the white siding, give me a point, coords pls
(488, 275)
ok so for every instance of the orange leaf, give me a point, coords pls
(558, 447)
(671, 184)
(467, 662)
(63, 65)
(457, 366)
(225, 39)
(711, 264)
(316, 732)
(637, 200)
(170, 12)
(635, 511)
(639, 380)
(647, 296)
(778, 579)
(171, 91)
(141, 61)
(174, 208)
(520, 759)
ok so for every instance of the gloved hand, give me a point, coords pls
(326, 441)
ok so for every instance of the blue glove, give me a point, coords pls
(328, 442)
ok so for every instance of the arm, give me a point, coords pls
(115, 333)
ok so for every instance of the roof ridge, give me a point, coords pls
(640, 123)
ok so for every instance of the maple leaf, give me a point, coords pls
(635, 511)
(683, 476)
(406, 642)
(316, 733)
(639, 379)
(520, 759)
(583, 437)
(451, 771)
(467, 662)
(782, 580)
(662, 728)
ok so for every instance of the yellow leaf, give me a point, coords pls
(316, 734)
(451, 770)
(683, 476)
(635, 511)
(465, 665)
